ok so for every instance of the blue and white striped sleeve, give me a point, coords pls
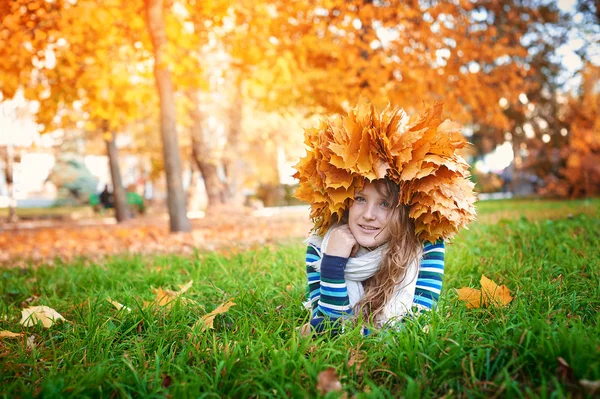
(313, 287)
(326, 291)
(334, 302)
(429, 279)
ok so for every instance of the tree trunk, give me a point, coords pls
(215, 189)
(232, 163)
(178, 220)
(119, 194)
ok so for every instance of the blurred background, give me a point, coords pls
(133, 108)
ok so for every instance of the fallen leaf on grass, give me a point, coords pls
(327, 381)
(565, 372)
(306, 330)
(498, 295)
(357, 358)
(30, 316)
(165, 297)
(184, 287)
(167, 381)
(118, 305)
(471, 296)
(9, 334)
(207, 320)
(490, 294)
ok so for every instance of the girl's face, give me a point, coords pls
(369, 217)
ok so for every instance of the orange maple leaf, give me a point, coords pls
(490, 294)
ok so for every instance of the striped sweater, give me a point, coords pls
(328, 295)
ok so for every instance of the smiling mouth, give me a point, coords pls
(368, 228)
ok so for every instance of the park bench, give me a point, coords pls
(135, 203)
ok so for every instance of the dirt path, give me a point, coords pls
(46, 243)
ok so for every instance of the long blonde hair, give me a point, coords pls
(404, 248)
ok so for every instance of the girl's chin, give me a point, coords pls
(367, 242)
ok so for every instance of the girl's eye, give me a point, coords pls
(358, 198)
(385, 204)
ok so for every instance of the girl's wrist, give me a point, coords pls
(332, 267)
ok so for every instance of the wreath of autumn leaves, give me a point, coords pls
(418, 152)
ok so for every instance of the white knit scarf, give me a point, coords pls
(363, 265)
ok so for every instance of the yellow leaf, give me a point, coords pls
(471, 296)
(118, 305)
(9, 334)
(147, 304)
(490, 294)
(31, 315)
(165, 297)
(207, 320)
(184, 287)
(497, 295)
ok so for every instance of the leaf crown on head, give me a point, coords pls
(418, 152)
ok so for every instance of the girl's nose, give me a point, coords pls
(369, 213)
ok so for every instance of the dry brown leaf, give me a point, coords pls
(207, 320)
(9, 334)
(118, 305)
(48, 316)
(490, 294)
(565, 372)
(357, 358)
(306, 330)
(327, 381)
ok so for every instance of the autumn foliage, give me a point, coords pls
(579, 175)
(418, 152)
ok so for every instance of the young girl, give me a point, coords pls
(385, 190)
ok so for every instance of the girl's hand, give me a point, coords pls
(342, 242)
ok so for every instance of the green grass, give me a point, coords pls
(550, 266)
(492, 211)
